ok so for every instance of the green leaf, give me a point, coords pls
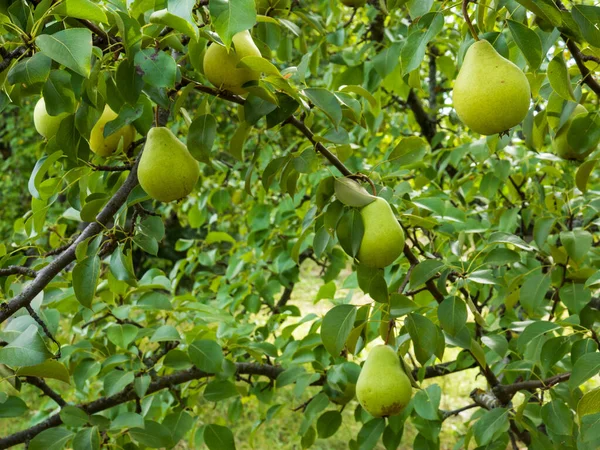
(328, 424)
(71, 48)
(206, 355)
(583, 174)
(452, 314)
(584, 133)
(533, 290)
(427, 338)
(534, 330)
(350, 230)
(586, 367)
(424, 271)
(577, 243)
(413, 51)
(48, 369)
(28, 349)
(73, 416)
(231, 16)
(217, 437)
(417, 8)
(427, 402)
(558, 418)
(158, 68)
(369, 434)
(87, 439)
(491, 424)
(588, 17)
(219, 390)
(164, 17)
(201, 137)
(410, 150)
(165, 333)
(85, 279)
(575, 296)
(58, 93)
(336, 327)
(326, 102)
(12, 407)
(51, 439)
(589, 403)
(116, 381)
(558, 75)
(153, 435)
(81, 9)
(179, 423)
(30, 71)
(122, 335)
(528, 42)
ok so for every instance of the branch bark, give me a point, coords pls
(42, 386)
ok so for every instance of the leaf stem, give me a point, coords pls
(468, 19)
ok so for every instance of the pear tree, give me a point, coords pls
(236, 224)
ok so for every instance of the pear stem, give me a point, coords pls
(468, 19)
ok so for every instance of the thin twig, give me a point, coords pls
(20, 270)
(42, 386)
(41, 323)
(468, 19)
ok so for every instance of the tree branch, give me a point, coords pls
(12, 270)
(586, 75)
(8, 57)
(42, 386)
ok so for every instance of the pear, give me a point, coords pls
(266, 7)
(220, 64)
(491, 94)
(167, 171)
(383, 238)
(353, 3)
(383, 389)
(105, 146)
(560, 143)
(45, 124)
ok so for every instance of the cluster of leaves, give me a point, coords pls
(131, 302)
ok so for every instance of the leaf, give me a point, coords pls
(533, 291)
(30, 71)
(85, 279)
(350, 230)
(589, 403)
(452, 314)
(575, 296)
(165, 333)
(528, 42)
(427, 402)
(122, 335)
(179, 423)
(231, 16)
(164, 17)
(586, 367)
(557, 417)
(336, 327)
(217, 437)
(326, 102)
(328, 424)
(116, 381)
(533, 331)
(558, 75)
(427, 338)
(87, 439)
(73, 416)
(71, 48)
(28, 349)
(219, 390)
(51, 439)
(47, 369)
(424, 271)
(206, 355)
(588, 17)
(369, 434)
(201, 137)
(491, 424)
(577, 243)
(413, 51)
(153, 435)
(583, 174)
(12, 407)
(410, 150)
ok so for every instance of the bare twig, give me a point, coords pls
(42, 386)
(20, 270)
(42, 324)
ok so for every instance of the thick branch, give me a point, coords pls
(10, 56)
(47, 274)
(586, 75)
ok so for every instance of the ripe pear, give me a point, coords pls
(353, 3)
(220, 64)
(383, 238)
(491, 94)
(560, 142)
(383, 389)
(265, 7)
(106, 146)
(167, 171)
(45, 124)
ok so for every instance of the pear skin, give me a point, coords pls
(383, 389)
(45, 124)
(106, 146)
(491, 94)
(383, 238)
(167, 171)
(560, 143)
(220, 64)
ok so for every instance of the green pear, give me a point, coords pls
(45, 124)
(491, 94)
(560, 142)
(383, 238)
(220, 65)
(266, 7)
(383, 389)
(105, 146)
(167, 171)
(353, 3)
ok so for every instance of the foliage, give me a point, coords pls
(135, 317)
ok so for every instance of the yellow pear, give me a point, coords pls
(220, 64)
(383, 389)
(167, 170)
(105, 146)
(353, 3)
(491, 94)
(266, 7)
(45, 124)
(383, 238)
(561, 144)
